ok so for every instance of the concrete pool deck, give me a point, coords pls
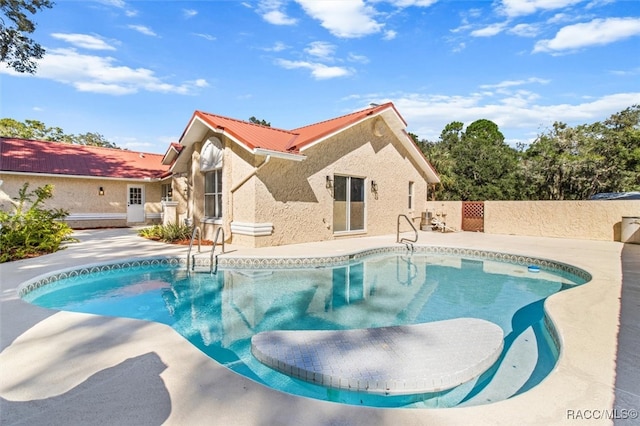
(69, 368)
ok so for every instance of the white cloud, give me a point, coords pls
(519, 114)
(205, 36)
(597, 32)
(358, 58)
(278, 17)
(272, 12)
(344, 18)
(278, 46)
(98, 74)
(321, 50)
(115, 3)
(513, 8)
(84, 41)
(514, 83)
(390, 35)
(189, 13)
(525, 30)
(490, 30)
(120, 4)
(318, 71)
(408, 3)
(143, 30)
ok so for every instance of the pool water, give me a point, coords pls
(220, 313)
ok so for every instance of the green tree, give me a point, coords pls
(440, 156)
(574, 163)
(254, 120)
(92, 139)
(30, 129)
(485, 167)
(17, 50)
(37, 130)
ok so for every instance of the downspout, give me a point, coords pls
(242, 182)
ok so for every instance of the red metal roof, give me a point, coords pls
(313, 132)
(250, 134)
(257, 136)
(58, 158)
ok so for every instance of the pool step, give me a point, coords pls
(397, 360)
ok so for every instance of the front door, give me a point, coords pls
(135, 203)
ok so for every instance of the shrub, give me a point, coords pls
(32, 230)
(167, 233)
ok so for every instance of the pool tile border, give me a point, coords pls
(283, 262)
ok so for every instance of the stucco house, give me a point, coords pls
(348, 176)
(99, 187)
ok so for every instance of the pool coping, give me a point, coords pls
(197, 388)
(302, 262)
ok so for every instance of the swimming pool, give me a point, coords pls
(219, 314)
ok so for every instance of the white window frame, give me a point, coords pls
(216, 193)
(411, 195)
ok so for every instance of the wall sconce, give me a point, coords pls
(329, 182)
(101, 191)
(374, 186)
(170, 192)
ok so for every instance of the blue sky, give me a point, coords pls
(135, 71)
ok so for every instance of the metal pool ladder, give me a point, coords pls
(191, 258)
(406, 241)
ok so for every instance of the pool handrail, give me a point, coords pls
(408, 242)
(196, 230)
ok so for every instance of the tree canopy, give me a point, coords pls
(37, 130)
(254, 120)
(564, 163)
(17, 49)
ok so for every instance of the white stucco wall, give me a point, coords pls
(79, 196)
(292, 196)
(586, 219)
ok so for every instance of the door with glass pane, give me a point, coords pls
(135, 203)
(348, 204)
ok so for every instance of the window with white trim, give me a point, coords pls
(410, 195)
(167, 192)
(213, 194)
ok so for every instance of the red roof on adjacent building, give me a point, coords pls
(58, 158)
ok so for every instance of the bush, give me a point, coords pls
(31, 230)
(167, 233)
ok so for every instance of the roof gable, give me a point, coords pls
(291, 144)
(59, 158)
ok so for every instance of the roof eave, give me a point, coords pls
(279, 154)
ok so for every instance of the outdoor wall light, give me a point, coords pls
(170, 192)
(101, 191)
(374, 186)
(329, 182)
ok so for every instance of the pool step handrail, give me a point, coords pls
(406, 241)
(191, 262)
(219, 232)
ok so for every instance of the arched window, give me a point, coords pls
(211, 158)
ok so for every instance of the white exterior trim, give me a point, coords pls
(252, 229)
(96, 216)
(279, 154)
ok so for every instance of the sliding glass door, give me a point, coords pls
(348, 204)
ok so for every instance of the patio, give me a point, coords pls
(69, 368)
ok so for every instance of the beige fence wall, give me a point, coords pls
(587, 219)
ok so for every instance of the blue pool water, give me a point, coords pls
(220, 313)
